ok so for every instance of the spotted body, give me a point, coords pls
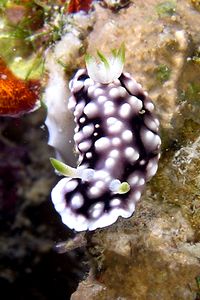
(116, 137)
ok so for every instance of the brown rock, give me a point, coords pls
(155, 254)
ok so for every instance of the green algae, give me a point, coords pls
(167, 8)
(31, 68)
(180, 168)
(196, 56)
(18, 22)
(26, 31)
(191, 93)
(163, 73)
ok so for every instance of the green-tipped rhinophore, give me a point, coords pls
(124, 188)
(62, 168)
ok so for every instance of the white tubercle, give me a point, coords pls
(86, 174)
(114, 185)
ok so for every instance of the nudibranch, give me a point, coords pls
(117, 140)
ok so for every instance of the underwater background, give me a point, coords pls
(155, 253)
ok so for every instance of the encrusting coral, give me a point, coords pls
(17, 96)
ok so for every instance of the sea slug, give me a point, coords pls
(117, 139)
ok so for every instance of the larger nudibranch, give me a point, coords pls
(116, 137)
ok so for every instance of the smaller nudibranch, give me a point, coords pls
(17, 96)
(117, 139)
(75, 6)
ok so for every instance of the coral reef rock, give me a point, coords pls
(155, 254)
